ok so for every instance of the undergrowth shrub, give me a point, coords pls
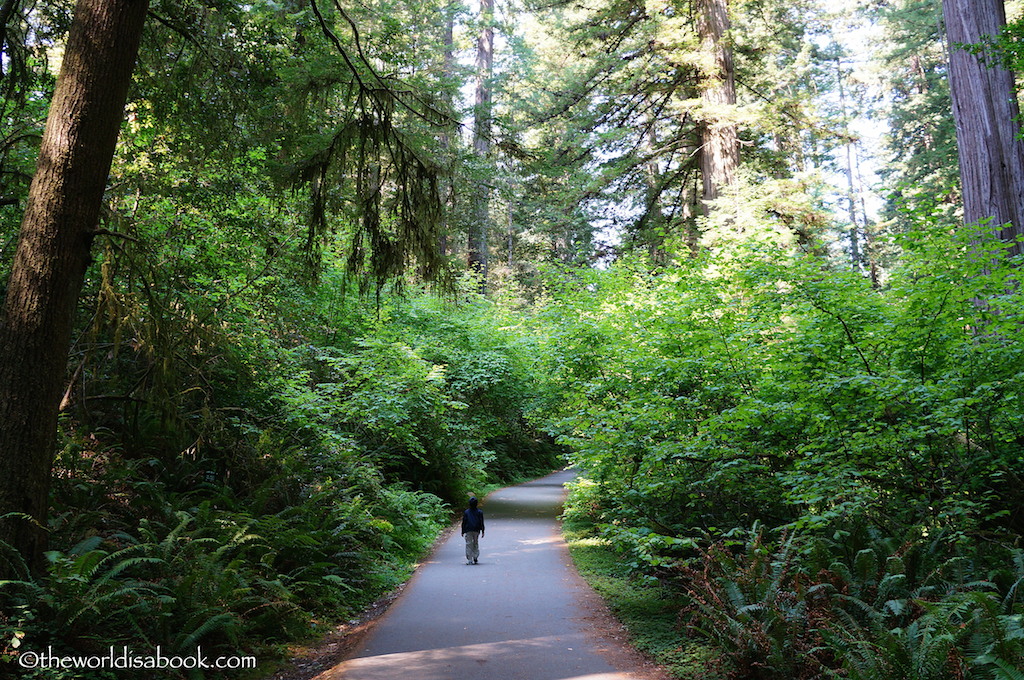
(263, 479)
(808, 608)
(762, 613)
(223, 580)
(878, 429)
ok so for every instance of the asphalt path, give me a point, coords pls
(522, 613)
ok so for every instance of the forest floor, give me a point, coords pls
(522, 612)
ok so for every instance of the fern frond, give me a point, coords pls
(339, 582)
(225, 623)
(86, 545)
(27, 586)
(1010, 598)
(87, 564)
(123, 556)
(96, 603)
(1007, 672)
(866, 564)
(184, 519)
(126, 564)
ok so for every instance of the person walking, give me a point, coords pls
(472, 530)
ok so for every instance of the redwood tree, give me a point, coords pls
(986, 112)
(720, 149)
(58, 227)
(478, 255)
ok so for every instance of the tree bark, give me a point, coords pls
(652, 233)
(446, 140)
(57, 230)
(720, 149)
(985, 111)
(851, 190)
(478, 253)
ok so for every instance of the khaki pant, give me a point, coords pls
(472, 545)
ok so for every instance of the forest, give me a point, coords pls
(284, 280)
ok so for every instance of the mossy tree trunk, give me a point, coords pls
(61, 219)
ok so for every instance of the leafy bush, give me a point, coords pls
(769, 389)
(763, 614)
(886, 611)
(260, 480)
(223, 580)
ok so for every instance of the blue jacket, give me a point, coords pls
(472, 520)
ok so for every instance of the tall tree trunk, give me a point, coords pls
(851, 189)
(446, 138)
(57, 230)
(652, 234)
(985, 111)
(851, 201)
(480, 223)
(511, 231)
(720, 149)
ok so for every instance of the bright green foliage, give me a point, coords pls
(872, 607)
(238, 476)
(248, 444)
(769, 389)
(824, 395)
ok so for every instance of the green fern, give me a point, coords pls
(94, 583)
(759, 609)
(1006, 671)
(224, 624)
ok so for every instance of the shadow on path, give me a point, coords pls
(519, 614)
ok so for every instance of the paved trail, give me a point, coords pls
(519, 614)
